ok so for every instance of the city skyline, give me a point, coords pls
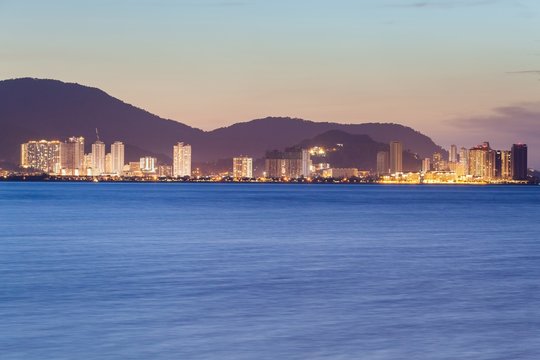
(480, 163)
(326, 62)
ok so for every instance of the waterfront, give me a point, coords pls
(266, 271)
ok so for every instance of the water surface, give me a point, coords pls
(259, 271)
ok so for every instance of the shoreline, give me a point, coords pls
(321, 181)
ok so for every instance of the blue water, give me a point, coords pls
(223, 271)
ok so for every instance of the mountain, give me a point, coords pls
(51, 109)
(358, 151)
(257, 136)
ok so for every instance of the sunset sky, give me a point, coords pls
(461, 71)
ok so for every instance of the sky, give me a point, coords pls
(460, 71)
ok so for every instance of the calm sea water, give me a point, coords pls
(217, 271)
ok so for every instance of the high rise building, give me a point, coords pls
(147, 164)
(41, 155)
(464, 160)
(396, 157)
(482, 162)
(452, 154)
(72, 156)
(87, 165)
(242, 167)
(426, 165)
(501, 163)
(292, 163)
(108, 163)
(519, 162)
(307, 164)
(438, 162)
(117, 158)
(181, 160)
(383, 163)
(506, 164)
(98, 158)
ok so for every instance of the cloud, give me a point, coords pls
(525, 72)
(503, 127)
(522, 120)
(443, 3)
(224, 3)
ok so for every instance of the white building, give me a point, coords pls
(340, 173)
(117, 158)
(42, 155)
(306, 163)
(108, 163)
(181, 160)
(98, 158)
(72, 156)
(242, 167)
(147, 164)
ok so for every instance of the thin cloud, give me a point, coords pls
(448, 4)
(168, 3)
(525, 72)
(521, 118)
(504, 126)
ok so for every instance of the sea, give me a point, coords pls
(268, 271)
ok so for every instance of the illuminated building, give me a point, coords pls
(197, 172)
(133, 168)
(307, 164)
(165, 171)
(396, 157)
(72, 156)
(340, 173)
(503, 169)
(426, 165)
(117, 158)
(519, 162)
(464, 160)
(452, 154)
(459, 169)
(147, 164)
(482, 162)
(438, 162)
(292, 163)
(98, 158)
(41, 155)
(108, 163)
(383, 163)
(181, 160)
(321, 166)
(506, 164)
(87, 165)
(242, 167)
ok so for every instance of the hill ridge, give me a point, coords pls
(47, 108)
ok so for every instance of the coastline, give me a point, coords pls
(226, 180)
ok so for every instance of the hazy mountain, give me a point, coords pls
(358, 151)
(51, 109)
(257, 136)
